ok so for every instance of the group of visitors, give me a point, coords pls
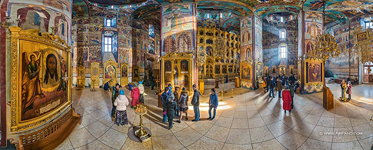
(279, 82)
(175, 104)
(346, 89)
(120, 102)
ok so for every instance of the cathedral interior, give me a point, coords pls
(65, 63)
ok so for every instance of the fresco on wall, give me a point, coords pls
(177, 27)
(42, 84)
(258, 40)
(33, 19)
(246, 26)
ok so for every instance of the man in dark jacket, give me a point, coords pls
(114, 96)
(195, 103)
(170, 108)
(271, 86)
(268, 82)
(164, 98)
(176, 94)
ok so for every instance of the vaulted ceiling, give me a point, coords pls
(335, 10)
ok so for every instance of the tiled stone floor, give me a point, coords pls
(248, 121)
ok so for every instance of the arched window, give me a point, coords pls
(283, 49)
(282, 34)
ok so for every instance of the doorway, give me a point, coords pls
(368, 73)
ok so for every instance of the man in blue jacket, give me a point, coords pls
(164, 98)
(213, 103)
(195, 103)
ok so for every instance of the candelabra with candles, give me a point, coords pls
(7, 21)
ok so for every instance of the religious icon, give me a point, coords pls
(31, 88)
(168, 66)
(136, 72)
(95, 72)
(110, 71)
(184, 65)
(176, 76)
(124, 71)
(51, 77)
(314, 72)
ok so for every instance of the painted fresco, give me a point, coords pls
(258, 40)
(177, 27)
(42, 86)
(246, 31)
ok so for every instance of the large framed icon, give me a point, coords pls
(124, 74)
(110, 72)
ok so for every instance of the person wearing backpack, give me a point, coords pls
(164, 97)
(195, 103)
(183, 104)
(170, 109)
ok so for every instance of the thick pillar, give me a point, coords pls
(311, 71)
(178, 36)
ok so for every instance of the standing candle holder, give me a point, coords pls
(93, 85)
(141, 133)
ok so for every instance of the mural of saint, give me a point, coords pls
(51, 75)
(31, 88)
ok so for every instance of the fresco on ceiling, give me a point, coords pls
(258, 40)
(116, 2)
(313, 23)
(178, 27)
(140, 12)
(225, 20)
(264, 11)
(225, 6)
(339, 10)
(80, 8)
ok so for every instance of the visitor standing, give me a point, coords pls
(213, 104)
(176, 94)
(142, 91)
(286, 100)
(135, 95)
(343, 88)
(114, 95)
(349, 87)
(279, 87)
(152, 81)
(164, 98)
(170, 109)
(195, 103)
(265, 85)
(292, 91)
(183, 104)
(272, 86)
(121, 102)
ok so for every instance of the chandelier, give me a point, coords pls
(324, 47)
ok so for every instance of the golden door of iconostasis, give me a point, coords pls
(177, 70)
(95, 74)
(124, 74)
(282, 70)
(81, 77)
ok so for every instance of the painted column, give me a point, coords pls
(178, 33)
(247, 45)
(258, 53)
(312, 75)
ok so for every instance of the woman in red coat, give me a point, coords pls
(135, 95)
(286, 98)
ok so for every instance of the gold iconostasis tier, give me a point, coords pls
(222, 51)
